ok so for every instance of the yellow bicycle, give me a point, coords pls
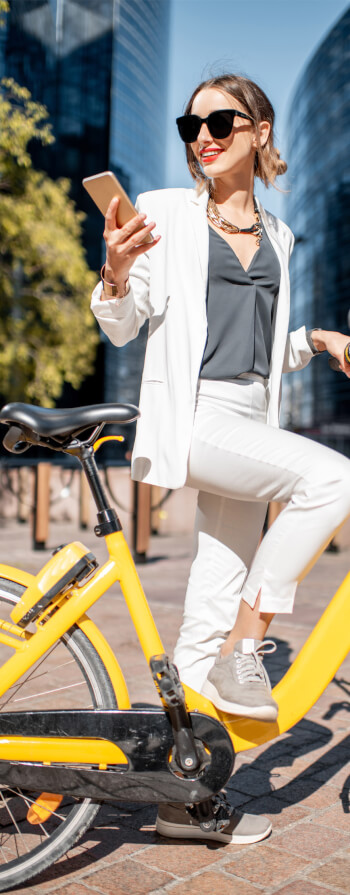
(57, 764)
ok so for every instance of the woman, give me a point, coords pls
(214, 285)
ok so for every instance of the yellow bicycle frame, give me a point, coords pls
(313, 669)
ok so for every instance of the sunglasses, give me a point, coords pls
(219, 124)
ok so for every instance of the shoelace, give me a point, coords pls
(249, 665)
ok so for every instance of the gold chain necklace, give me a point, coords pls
(221, 222)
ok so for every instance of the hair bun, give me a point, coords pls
(270, 165)
(281, 165)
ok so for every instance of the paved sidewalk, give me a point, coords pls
(301, 780)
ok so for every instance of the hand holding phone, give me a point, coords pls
(124, 241)
(103, 188)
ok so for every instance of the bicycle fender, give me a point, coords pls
(144, 736)
(108, 658)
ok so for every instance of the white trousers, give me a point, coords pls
(238, 463)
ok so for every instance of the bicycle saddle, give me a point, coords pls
(62, 422)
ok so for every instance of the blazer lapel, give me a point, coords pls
(272, 233)
(198, 212)
(280, 325)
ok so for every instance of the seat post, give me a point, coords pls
(107, 518)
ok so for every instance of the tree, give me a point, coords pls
(47, 332)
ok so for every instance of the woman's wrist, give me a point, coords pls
(318, 338)
(113, 288)
(337, 344)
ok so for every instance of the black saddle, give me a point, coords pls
(62, 423)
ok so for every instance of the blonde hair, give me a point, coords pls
(268, 164)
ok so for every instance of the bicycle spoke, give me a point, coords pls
(34, 828)
(2, 851)
(29, 677)
(34, 677)
(51, 691)
(30, 802)
(15, 823)
(26, 798)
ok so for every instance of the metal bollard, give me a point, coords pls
(41, 505)
(141, 520)
(23, 506)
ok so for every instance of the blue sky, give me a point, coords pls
(268, 40)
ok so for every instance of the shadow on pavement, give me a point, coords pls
(123, 828)
(259, 779)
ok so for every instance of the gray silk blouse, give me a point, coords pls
(240, 306)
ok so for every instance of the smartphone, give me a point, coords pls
(103, 188)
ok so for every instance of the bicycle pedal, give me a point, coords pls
(167, 680)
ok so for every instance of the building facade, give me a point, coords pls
(139, 93)
(62, 51)
(317, 400)
(137, 142)
(100, 68)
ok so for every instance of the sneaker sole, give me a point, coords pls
(184, 831)
(258, 713)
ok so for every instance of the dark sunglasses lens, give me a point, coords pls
(189, 127)
(220, 124)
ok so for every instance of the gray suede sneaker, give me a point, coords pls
(239, 683)
(176, 822)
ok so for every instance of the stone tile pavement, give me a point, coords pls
(301, 781)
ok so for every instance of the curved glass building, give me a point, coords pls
(317, 400)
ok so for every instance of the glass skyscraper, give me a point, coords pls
(100, 67)
(318, 399)
(139, 93)
(62, 51)
(137, 141)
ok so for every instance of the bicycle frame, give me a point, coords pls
(313, 669)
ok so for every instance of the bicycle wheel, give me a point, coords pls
(70, 675)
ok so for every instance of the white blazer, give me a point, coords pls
(168, 285)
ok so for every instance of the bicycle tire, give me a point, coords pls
(71, 828)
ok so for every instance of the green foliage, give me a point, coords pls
(47, 332)
(4, 8)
